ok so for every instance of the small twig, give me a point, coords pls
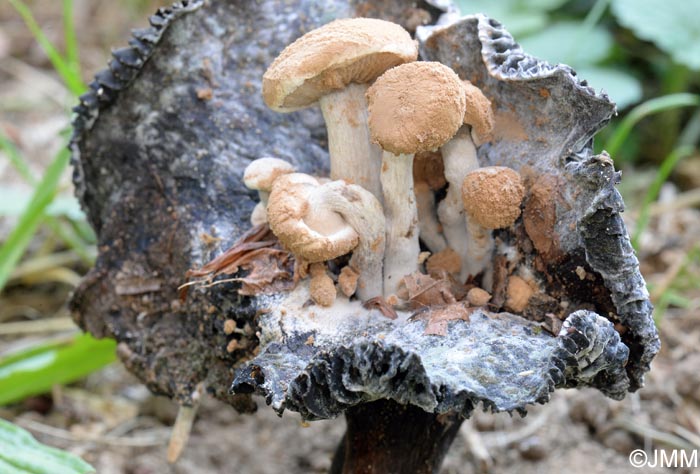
(183, 426)
(477, 447)
(131, 442)
(633, 426)
(37, 326)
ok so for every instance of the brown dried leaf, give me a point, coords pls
(378, 302)
(269, 272)
(424, 290)
(439, 317)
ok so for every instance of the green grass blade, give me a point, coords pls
(18, 240)
(650, 107)
(70, 38)
(23, 454)
(16, 158)
(70, 77)
(665, 170)
(40, 368)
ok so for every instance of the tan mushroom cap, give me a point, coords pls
(315, 235)
(415, 107)
(492, 196)
(261, 173)
(333, 56)
(479, 114)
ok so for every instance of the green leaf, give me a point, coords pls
(672, 25)
(667, 166)
(650, 107)
(39, 368)
(570, 43)
(18, 240)
(20, 453)
(624, 89)
(63, 67)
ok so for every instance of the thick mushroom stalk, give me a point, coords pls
(459, 157)
(412, 108)
(353, 157)
(429, 176)
(491, 197)
(319, 222)
(333, 65)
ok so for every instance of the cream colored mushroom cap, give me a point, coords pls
(415, 107)
(315, 235)
(261, 173)
(479, 114)
(492, 196)
(333, 56)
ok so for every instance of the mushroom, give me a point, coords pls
(259, 175)
(321, 286)
(428, 177)
(412, 108)
(333, 65)
(491, 197)
(459, 157)
(319, 222)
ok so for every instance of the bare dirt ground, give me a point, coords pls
(115, 424)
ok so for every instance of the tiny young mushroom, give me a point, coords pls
(491, 197)
(412, 108)
(259, 175)
(321, 286)
(459, 157)
(319, 222)
(332, 65)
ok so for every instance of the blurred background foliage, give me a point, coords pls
(644, 53)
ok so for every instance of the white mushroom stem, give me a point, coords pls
(459, 158)
(353, 157)
(479, 252)
(430, 228)
(259, 214)
(402, 247)
(363, 213)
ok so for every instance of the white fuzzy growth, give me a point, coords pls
(402, 248)
(353, 157)
(459, 158)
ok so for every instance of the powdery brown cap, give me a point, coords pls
(333, 56)
(321, 287)
(492, 196)
(479, 114)
(290, 219)
(261, 173)
(415, 107)
(478, 297)
(518, 294)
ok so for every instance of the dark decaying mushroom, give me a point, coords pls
(159, 167)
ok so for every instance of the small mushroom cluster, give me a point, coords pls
(382, 108)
